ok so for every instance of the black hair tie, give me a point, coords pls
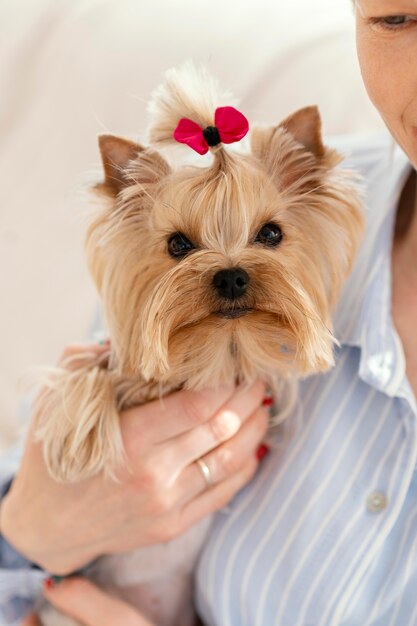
(212, 136)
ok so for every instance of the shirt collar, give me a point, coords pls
(363, 317)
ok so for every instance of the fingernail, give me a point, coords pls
(262, 451)
(104, 342)
(268, 401)
(51, 582)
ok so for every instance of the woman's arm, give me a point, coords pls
(17, 574)
(62, 527)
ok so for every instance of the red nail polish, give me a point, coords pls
(48, 583)
(262, 451)
(268, 401)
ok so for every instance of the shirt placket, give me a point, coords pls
(386, 510)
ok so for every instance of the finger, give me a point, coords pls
(170, 416)
(226, 460)
(222, 427)
(30, 620)
(215, 498)
(80, 599)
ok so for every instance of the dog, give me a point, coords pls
(212, 272)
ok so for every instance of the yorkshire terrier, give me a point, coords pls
(218, 272)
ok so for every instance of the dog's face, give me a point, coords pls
(229, 272)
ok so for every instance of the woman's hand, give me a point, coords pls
(62, 527)
(89, 605)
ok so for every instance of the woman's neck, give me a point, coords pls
(404, 277)
(405, 238)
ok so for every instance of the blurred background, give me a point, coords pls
(70, 69)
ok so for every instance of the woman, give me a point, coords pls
(326, 533)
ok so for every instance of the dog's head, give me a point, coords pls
(227, 271)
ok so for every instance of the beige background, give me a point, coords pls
(72, 68)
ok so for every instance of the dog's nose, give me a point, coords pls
(232, 283)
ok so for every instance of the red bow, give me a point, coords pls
(229, 126)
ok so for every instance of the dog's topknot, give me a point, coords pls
(188, 91)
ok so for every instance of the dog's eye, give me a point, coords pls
(179, 245)
(269, 235)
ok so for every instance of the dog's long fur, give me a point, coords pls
(161, 312)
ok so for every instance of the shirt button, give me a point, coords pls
(376, 502)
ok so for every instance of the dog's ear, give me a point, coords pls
(293, 151)
(126, 163)
(305, 126)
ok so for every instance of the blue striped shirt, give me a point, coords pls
(326, 533)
